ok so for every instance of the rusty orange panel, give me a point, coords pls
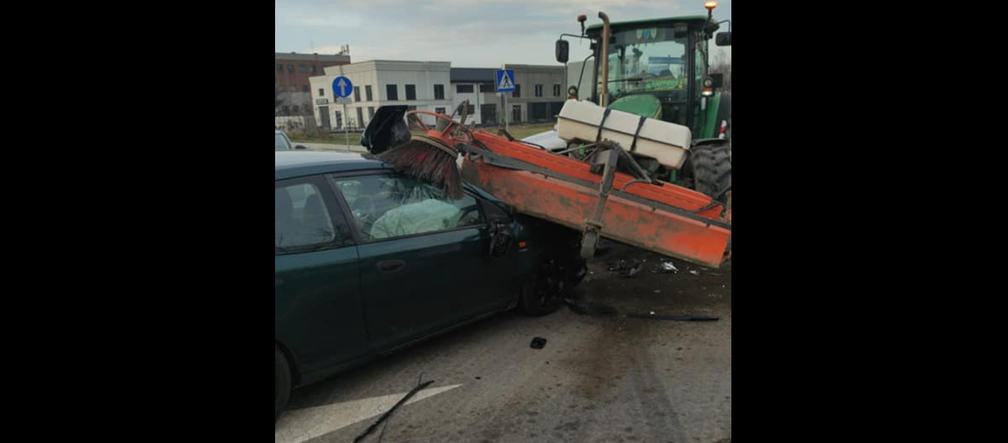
(624, 221)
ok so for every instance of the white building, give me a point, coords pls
(540, 95)
(477, 86)
(424, 86)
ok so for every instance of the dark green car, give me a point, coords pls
(367, 261)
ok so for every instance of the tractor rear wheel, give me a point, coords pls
(710, 168)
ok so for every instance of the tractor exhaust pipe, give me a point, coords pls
(604, 98)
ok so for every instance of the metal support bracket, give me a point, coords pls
(593, 226)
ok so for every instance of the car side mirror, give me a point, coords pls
(500, 239)
(724, 39)
(300, 148)
(562, 51)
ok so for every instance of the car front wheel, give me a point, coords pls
(545, 292)
(281, 383)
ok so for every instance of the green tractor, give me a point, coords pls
(660, 68)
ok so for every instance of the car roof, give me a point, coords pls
(292, 164)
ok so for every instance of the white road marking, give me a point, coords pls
(302, 425)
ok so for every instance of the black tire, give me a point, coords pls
(546, 291)
(710, 162)
(281, 383)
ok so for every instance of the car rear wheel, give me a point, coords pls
(281, 383)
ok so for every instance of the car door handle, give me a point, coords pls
(391, 265)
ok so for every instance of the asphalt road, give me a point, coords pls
(599, 379)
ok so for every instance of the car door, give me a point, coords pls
(422, 256)
(318, 311)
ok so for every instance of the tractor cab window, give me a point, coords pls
(648, 61)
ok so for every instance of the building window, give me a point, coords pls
(304, 68)
(392, 92)
(488, 88)
(367, 91)
(356, 93)
(339, 119)
(370, 111)
(293, 88)
(441, 111)
(438, 92)
(411, 108)
(314, 68)
(321, 92)
(538, 90)
(290, 68)
(280, 68)
(360, 116)
(556, 90)
(305, 88)
(410, 92)
(517, 91)
(464, 89)
(296, 110)
(286, 110)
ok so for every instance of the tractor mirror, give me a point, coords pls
(717, 81)
(724, 39)
(562, 51)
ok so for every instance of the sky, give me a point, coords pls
(473, 33)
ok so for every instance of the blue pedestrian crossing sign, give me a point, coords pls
(505, 81)
(342, 87)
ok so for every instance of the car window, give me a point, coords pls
(301, 219)
(388, 207)
(280, 143)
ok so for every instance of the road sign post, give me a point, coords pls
(342, 87)
(505, 84)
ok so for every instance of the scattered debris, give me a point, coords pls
(695, 273)
(686, 318)
(599, 310)
(538, 343)
(388, 414)
(626, 269)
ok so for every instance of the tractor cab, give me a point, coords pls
(659, 68)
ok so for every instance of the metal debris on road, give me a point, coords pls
(388, 414)
(599, 310)
(626, 269)
(538, 343)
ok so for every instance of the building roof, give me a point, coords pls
(311, 57)
(473, 75)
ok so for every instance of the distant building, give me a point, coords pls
(424, 86)
(541, 93)
(290, 79)
(438, 88)
(477, 86)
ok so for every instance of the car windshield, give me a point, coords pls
(647, 60)
(280, 143)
